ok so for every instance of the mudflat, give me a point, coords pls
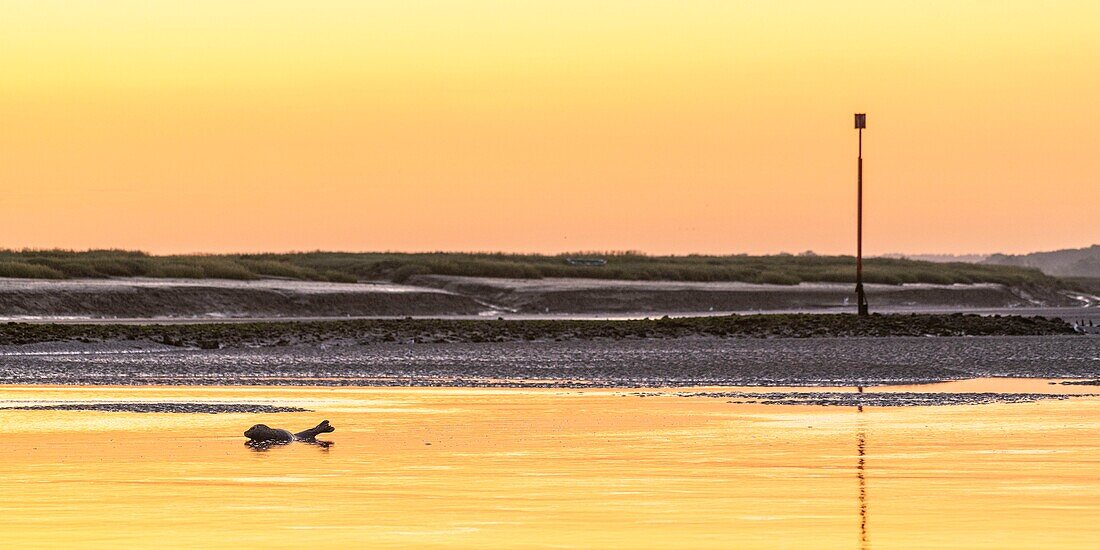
(573, 295)
(151, 298)
(138, 297)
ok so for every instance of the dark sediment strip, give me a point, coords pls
(371, 331)
(884, 399)
(183, 408)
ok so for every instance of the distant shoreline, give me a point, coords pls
(778, 269)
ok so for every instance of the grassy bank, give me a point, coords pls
(350, 267)
(1090, 285)
(450, 331)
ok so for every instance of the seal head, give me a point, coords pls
(261, 432)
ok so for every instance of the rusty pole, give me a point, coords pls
(861, 297)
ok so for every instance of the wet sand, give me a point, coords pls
(545, 468)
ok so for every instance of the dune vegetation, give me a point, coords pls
(782, 269)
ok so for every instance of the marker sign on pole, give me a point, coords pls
(861, 120)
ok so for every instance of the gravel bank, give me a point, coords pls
(592, 363)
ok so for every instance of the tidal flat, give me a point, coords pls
(550, 468)
(665, 433)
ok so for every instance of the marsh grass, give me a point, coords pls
(401, 267)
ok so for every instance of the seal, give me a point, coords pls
(261, 434)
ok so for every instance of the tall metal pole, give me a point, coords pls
(861, 298)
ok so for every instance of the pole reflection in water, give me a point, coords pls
(861, 449)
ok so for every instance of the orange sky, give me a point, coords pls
(717, 126)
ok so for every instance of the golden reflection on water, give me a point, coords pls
(513, 468)
(861, 476)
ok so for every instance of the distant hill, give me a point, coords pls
(1074, 262)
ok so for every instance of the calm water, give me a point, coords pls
(549, 468)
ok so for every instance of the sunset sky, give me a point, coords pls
(547, 126)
